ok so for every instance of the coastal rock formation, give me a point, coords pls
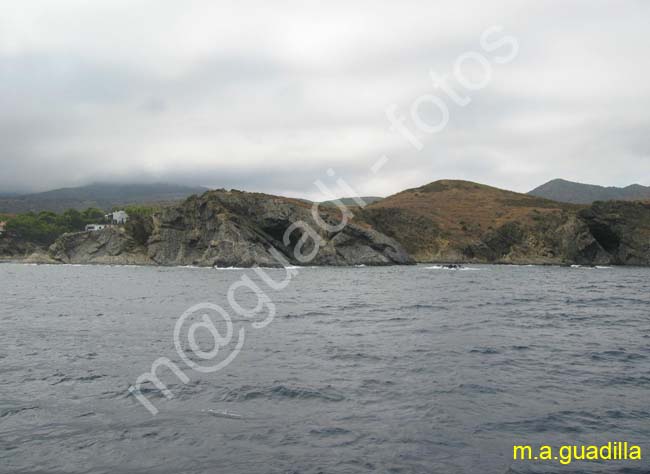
(444, 221)
(112, 245)
(14, 249)
(621, 229)
(554, 239)
(232, 228)
(460, 221)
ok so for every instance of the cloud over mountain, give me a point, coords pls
(268, 96)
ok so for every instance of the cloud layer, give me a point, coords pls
(269, 95)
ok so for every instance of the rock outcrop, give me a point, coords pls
(552, 239)
(233, 228)
(621, 229)
(606, 233)
(14, 249)
(112, 245)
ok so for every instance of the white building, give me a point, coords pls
(117, 217)
(94, 227)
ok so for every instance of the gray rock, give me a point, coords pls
(112, 245)
(232, 228)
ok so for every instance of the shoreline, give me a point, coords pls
(26, 261)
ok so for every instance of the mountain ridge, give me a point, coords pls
(104, 196)
(563, 190)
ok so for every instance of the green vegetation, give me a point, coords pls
(44, 227)
(135, 212)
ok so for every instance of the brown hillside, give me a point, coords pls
(439, 220)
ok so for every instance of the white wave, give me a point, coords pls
(441, 267)
(591, 267)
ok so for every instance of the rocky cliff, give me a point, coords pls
(621, 230)
(231, 228)
(445, 221)
(113, 245)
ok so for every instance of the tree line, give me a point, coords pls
(45, 227)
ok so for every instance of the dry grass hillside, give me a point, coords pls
(440, 219)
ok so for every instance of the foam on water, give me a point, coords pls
(442, 267)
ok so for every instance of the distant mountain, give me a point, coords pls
(579, 193)
(102, 195)
(353, 201)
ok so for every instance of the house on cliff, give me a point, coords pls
(117, 217)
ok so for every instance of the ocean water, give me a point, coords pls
(397, 370)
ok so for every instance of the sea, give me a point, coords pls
(401, 369)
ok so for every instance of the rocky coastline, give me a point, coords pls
(240, 229)
(227, 229)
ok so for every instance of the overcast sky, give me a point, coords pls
(268, 95)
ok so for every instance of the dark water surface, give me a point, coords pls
(399, 369)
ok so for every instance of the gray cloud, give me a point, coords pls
(260, 97)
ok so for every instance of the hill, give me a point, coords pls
(444, 221)
(348, 201)
(460, 221)
(101, 195)
(579, 193)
